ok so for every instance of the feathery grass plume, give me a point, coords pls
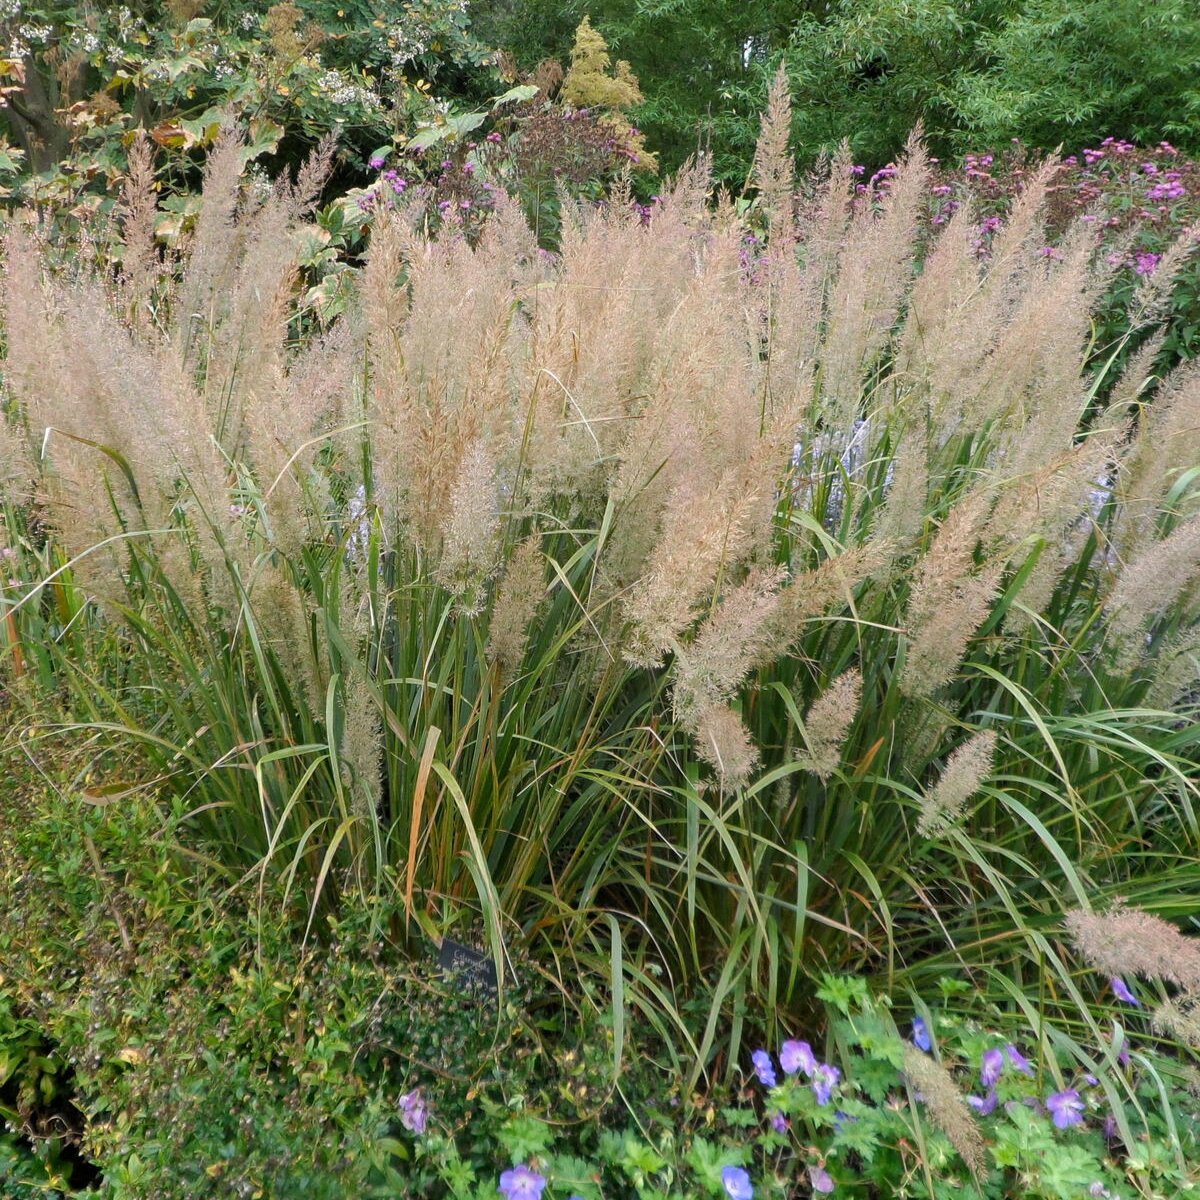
(246, 346)
(81, 370)
(362, 748)
(1178, 1019)
(16, 461)
(772, 170)
(961, 778)
(1152, 300)
(1176, 670)
(1136, 378)
(724, 742)
(302, 193)
(1149, 585)
(949, 278)
(903, 514)
(288, 430)
(1055, 557)
(469, 531)
(521, 592)
(440, 400)
(1126, 941)
(595, 326)
(812, 593)
(957, 353)
(384, 305)
(213, 247)
(139, 211)
(949, 559)
(825, 229)
(33, 346)
(1164, 445)
(936, 647)
(705, 531)
(698, 429)
(1054, 510)
(875, 270)
(946, 1105)
(828, 722)
(244, 372)
(282, 614)
(711, 667)
(1038, 364)
(1050, 499)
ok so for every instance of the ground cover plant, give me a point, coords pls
(175, 1040)
(722, 601)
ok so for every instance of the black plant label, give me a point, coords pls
(471, 970)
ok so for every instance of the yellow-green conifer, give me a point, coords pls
(593, 82)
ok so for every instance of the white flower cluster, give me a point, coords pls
(341, 89)
(9, 9)
(249, 21)
(409, 39)
(127, 23)
(259, 182)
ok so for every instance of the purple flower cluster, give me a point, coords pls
(1117, 188)
(992, 1065)
(797, 1058)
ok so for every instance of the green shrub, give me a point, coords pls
(82, 77)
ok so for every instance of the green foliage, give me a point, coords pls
(975, 73)
(81, 77)
(209, 1054)
(308, 692)
(1066, 71)
(294, 644)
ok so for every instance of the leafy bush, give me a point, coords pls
(975, 73)
(80, 78)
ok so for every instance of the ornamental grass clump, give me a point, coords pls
(633, 596)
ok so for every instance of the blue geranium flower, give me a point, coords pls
(737, 1184)
(920, 1035)
(1122, 992)
(825, 1079)
(1066, 1108)
(797, 1056)
(522, 1183)
(991, 1067)
(1018, 1060)
(764, 1068)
